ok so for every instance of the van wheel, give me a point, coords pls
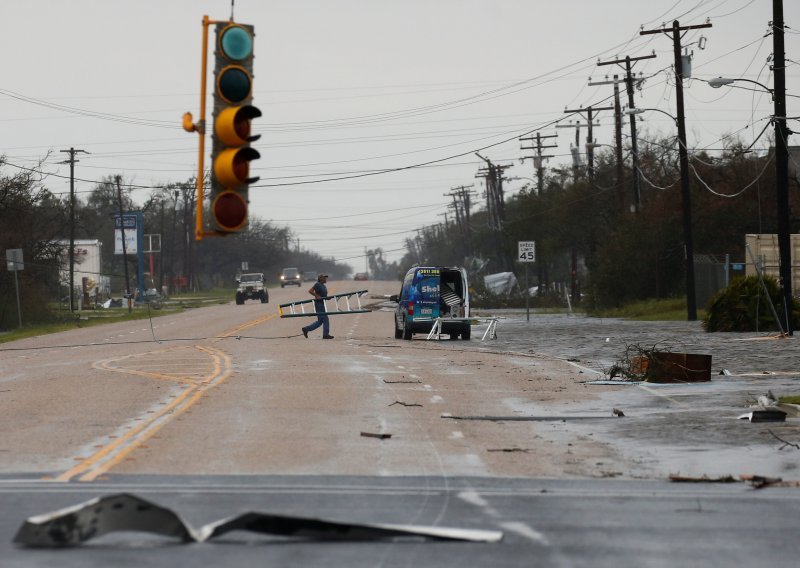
(264, 297)
(407, 334)
(466, 334)
(398, 333)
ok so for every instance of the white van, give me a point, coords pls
(430, 293)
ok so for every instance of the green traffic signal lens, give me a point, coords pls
(236, 43)
(234, 84)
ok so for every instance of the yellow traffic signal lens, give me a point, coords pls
(234, 84)
(230, 211)
(232, 125)
(232, 166)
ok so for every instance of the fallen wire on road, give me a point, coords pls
(785, 442)
(401, 382)
(159, 341)
(509, 450)
(405, 403)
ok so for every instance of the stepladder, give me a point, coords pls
(336, 304)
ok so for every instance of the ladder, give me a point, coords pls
(298, 309)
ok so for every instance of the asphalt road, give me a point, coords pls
(228, 408)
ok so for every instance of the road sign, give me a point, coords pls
(14, 260)
(526, 251)
(131, 231)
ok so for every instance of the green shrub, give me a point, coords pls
(743, 306)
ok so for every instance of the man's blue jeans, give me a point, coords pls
(322, 320)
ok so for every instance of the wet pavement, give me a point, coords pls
(688, 429)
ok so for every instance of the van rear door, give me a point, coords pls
(425, 293)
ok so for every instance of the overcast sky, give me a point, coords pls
(349, 87)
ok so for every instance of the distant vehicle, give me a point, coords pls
(291, 276)
(309, 276)
(361, 276)
(251, 287)
(431, 292)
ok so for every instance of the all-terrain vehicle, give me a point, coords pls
(251, 287)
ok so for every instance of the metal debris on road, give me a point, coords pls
(702, 479)
(760, 481)
(527, 418)
(764, 415)
(75, 525)
(373, 435)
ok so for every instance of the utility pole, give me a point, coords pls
(620, 195)
(576, 148)
(495, 204)
(683, 154)
(590, 110)
(629, 62)
(782, 162)
(71, 162)
(537, 159)
(461, 205)
(124, 246)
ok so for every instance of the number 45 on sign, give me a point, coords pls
(526, 251)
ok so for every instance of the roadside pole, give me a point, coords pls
(14, 263)
(526, 253)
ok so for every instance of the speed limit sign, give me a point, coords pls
(526, 251)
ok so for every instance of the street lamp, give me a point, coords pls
(686, 198)
(718, 82)
(630, 111)
(781, 180)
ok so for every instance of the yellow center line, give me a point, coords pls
(115, 452)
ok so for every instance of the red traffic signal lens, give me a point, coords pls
(234, 84)
(229, 210)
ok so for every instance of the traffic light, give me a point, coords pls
(231, 153)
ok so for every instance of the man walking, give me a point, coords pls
(319, 291)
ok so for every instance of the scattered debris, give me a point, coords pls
(373, 435)
(401, 382)
(75, 525)
(617, 412)
(760, 481)
(702, 479)
(405, 403)
(785, 443)
(725, 372)
(764, 415)
(661, 366)
(509, 450)
(528, 418)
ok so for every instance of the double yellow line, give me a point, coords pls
(113, 453)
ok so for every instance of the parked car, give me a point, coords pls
(361, 276)
(430, 293)
(291, 276)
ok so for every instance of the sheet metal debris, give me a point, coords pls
(75, 525)
(764, 415)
